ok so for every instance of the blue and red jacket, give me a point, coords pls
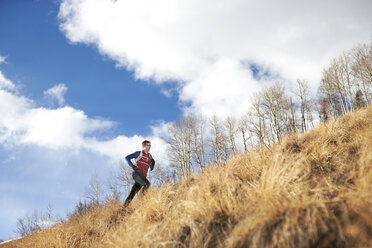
(143, 164)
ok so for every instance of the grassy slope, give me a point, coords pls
(314, 190)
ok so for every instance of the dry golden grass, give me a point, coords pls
(314, 190)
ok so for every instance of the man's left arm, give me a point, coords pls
(152, 164)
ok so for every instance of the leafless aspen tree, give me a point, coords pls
(218, 141)
(332, 80)
(303, 93)
(276, 105)
(180, 145)
(346, 83)
(328, 100)
(198, 129)
(347, 77)
(362, 69)
(28, 224)
(292, 120)
(37, 221)
(243, 128)
(114, 186)
(95, 191)
(161, 175)
(232, 129)
(125, 176)
(256, 120)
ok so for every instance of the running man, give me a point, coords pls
(143, 161)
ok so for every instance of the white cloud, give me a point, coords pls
(2, 59)
(5, 83)
(161, 129)
(194, 41)
(57, 92)
(224, 88)
(119, 147)
(13, 108)
(24, 123)
(60, 128)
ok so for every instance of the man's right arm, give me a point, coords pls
(131, 156)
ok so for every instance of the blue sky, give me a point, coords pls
(83, 82)
(39, 56)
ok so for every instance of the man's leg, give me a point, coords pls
(136, 187)
(142, 180)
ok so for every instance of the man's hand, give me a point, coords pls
(135, 165)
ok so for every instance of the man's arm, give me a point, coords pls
(131, 156)
(152, 164)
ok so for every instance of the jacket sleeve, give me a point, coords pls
(131, 156)
(152, 165)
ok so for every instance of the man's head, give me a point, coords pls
(146, 145)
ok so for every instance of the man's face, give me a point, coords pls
(147, 147)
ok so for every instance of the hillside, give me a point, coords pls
(313, 190)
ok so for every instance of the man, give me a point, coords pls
(143, 161)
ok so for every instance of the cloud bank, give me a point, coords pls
(22, 122)
(209, 47)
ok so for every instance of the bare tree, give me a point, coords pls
(180, 145)
(114, 186)
(303, 93)
(36, 221)
(290, 116)
(198, 129)
(256, 120)
(332, 80)
(362, 69)
(162, 175)
(327, 92)
(346, 83)
(218, 140)
(276, 108)
(232, 129)
(28, 224)
(243, 128)
(95, 191)
(124, 177)
(347, 78)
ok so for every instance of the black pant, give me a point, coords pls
(140, 181)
